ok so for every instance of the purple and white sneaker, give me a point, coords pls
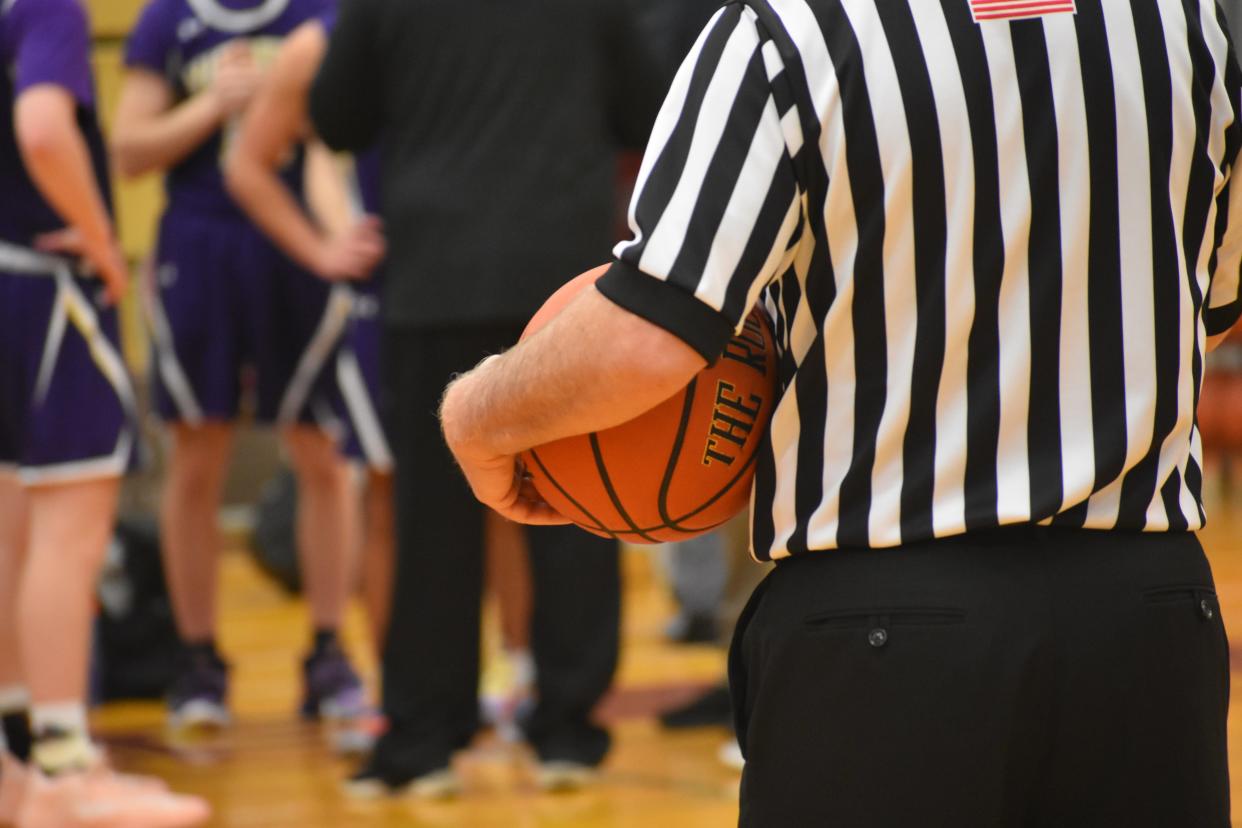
(198, 698)
(334, 692)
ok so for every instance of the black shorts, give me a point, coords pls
(1028, 677)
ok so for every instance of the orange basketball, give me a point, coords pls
(683, 468)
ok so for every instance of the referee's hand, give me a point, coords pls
(499, 481)
(502, 484)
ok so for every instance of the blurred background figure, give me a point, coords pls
(67, 428)
(336, 236)
(219, 310)
(1220, 412)
(711, 578)
(498, 127)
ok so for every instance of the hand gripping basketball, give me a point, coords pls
(681, 469)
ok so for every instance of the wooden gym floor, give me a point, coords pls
(270, 771)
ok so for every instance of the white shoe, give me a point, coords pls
(730, 755)
(562, 776)
(436, 785)
(199, 715)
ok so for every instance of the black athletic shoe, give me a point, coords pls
(712, 709)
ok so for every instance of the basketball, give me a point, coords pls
(681, 469)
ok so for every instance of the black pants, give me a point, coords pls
(1026, 678)
(431, 657)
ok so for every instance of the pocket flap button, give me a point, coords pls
(877, 637)
(1205, 607)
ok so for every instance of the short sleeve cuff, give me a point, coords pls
(1219, 320)
(668, 306)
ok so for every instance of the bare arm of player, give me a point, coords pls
(59, 162)
(594, 366)
(152, 133)
(274, 123)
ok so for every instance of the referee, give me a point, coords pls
(997, 238)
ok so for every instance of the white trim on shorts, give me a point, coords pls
(72, 306)
(176, 383)
(362, 414)
(332, 326)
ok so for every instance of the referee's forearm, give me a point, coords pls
(595, 366)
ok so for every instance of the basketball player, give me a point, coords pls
(275, 124)
(226, 300)
(996, 240)
(67, 426)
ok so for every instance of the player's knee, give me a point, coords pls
(198, 465)
(315, 460)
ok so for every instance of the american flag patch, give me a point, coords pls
(984, 10)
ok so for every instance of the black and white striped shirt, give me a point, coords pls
(993, 250)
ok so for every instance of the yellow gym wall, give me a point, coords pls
(137, 202)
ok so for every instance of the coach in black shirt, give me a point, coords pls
(499, 125)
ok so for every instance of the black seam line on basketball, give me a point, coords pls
(624, 535)
(617, 534)
(678, 443)
(704, 506)
(752, 460)
(599, 524)
(611, 490)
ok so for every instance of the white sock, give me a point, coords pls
(14, 698)
(70, 749)
(523, 664)
(66, 717)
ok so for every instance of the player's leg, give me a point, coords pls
(509, 581)
(377, 554)
(198, 349)
(70, 426)
(326, 533)
(14, 372)
(325, 522)
(193, 489)
(191, 542)
(297, 327)
(14, 696)
(358, 384)
(70, 525)
(509, 684)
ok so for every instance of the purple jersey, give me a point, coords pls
(42, 42)
(182, 41)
